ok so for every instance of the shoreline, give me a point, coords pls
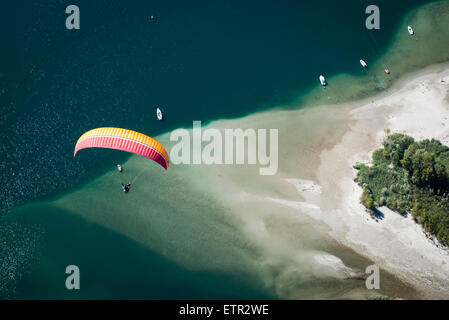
(405, 56)
(293, 221)
(418, 108)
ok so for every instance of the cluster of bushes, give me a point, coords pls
(410, 176)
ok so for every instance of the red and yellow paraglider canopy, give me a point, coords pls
(125, 140)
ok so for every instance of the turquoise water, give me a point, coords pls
(198, 61)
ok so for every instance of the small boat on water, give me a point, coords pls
(159, 114)
(410, 30)
(119, 168)
(387, 71)
(363, 63)
(323, 81)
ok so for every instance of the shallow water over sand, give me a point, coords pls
(225, 219)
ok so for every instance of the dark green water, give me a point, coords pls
(111, 266)
(197, 60)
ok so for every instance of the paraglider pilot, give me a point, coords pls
(126, 187)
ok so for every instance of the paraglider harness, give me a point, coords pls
(126, 187)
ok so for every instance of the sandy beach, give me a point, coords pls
(420, 109)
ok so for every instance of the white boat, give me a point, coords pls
(363, 63)
(410, 30)
(159, 114)
(323, 81)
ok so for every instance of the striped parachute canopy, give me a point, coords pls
(125, 140)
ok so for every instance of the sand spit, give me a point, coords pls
(420, 109)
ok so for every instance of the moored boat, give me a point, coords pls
(323, 81)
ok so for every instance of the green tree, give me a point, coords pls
(367, 200)
(395, 146)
